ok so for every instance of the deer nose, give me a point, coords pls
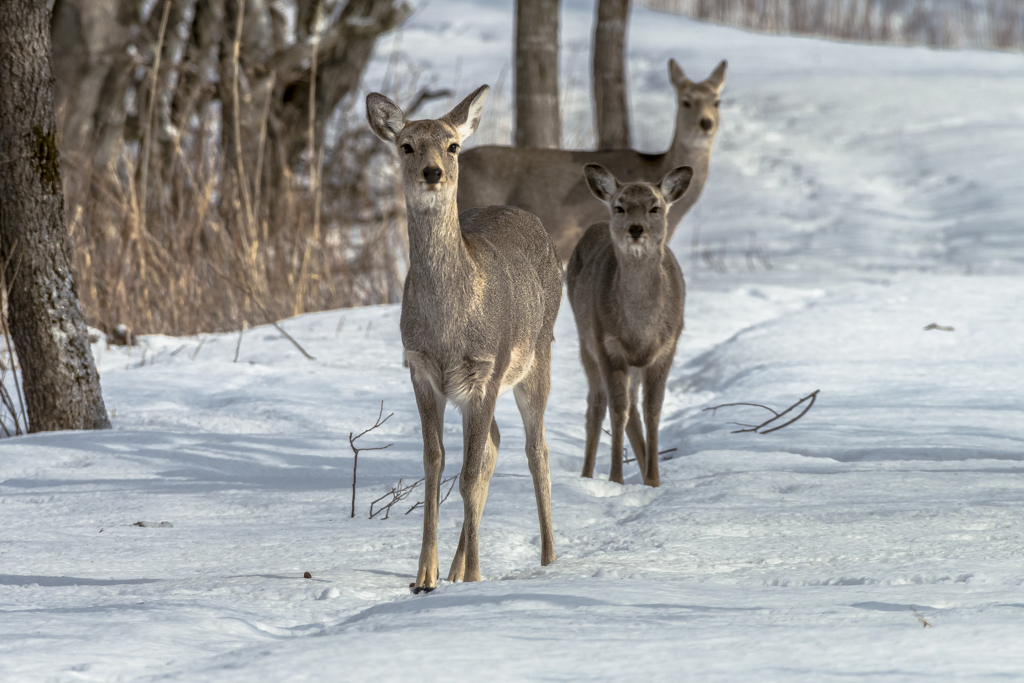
(706, 123)
(635, 231)
(432, 174)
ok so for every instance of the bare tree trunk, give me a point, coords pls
(62, 387)
(538, 123)
(610, 108)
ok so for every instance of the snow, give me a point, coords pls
(884, 187)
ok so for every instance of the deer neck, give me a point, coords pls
(638, 286)
(682, 153)
(439, 263)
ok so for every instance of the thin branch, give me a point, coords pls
(356, 451)
(266, 315)
(727, 405)
(424, 96)
(809, 399)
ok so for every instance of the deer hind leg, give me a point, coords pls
(480, 454)
(635, 428)
(532, 399)
(431, 407)
(597, 406)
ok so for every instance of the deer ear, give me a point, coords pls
(717, 78)
(466, 114)
(600, 181)
(675, 183)
(384, 116)
(676, 75)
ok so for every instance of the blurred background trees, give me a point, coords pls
(986, 24)
(214, 175)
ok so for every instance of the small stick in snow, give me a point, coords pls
(238, 346)
(198, 348)
(356, 451)
(760, 429)
(936, 326)
(924, 622)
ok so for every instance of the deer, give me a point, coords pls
(478, 314)
(547, 182)
(627, 294)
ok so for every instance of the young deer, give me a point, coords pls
(478, 315)
(547, 182)
(627, 293)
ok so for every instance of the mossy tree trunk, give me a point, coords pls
(61, 384)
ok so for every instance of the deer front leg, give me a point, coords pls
(431, 408)
(617, 381)
(597, 406)
(654, 395)
(635, 428)
(480, 454)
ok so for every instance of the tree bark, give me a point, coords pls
(610, 108)
(538, 122)
(61, 384)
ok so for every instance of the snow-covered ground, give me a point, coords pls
(883, 185)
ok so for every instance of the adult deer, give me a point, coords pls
(478, 315)
(547, 182)
(627, 294)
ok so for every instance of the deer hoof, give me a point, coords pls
(416, 590)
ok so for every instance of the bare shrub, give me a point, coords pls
(219, 176)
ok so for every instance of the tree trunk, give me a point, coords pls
(62, 388)
(538, 123)
(611, 110)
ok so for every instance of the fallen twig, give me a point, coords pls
(266, 315)
(760, 428)
(419, 503)
(398, 493)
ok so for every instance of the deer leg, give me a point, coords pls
(618, 404)
(635, 428)
(532, 399)
(597, 405)
(654, 395)
(480, 454)
(431, 407)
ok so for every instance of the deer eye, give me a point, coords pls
(686, 104)
(619, 209)
(717, 102)
(655, 209)
(453, 148)
(407, 148)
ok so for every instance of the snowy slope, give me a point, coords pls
(884, 187)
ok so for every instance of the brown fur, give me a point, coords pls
(478, 315)
(547, 182)
(627, 294)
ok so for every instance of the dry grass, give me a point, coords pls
(195, 254)
(13, 421)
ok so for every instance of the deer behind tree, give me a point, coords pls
(547, 182)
